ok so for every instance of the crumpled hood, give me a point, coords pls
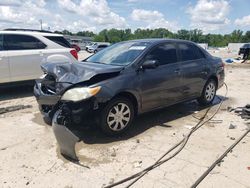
(78, 72)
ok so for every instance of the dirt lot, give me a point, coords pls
(29, 152)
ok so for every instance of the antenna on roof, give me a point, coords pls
(41, 23)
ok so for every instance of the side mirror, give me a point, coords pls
(150, 64)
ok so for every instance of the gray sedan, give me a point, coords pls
(127, 79)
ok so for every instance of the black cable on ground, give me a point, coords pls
(202, 177)
(183, 142)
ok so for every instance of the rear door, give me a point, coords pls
(193, 69)
(4, 63)
(161, 86)
(25, 56)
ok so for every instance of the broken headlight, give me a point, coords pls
(78, 94)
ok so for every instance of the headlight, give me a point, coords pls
(78, 94)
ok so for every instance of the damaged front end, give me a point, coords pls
(71, 85)
(68, 94)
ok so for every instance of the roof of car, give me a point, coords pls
(158, 40)
(30, 33)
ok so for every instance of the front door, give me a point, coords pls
(25, 56)
(160, 86)
(4, 64)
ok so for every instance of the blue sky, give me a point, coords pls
(211, 16)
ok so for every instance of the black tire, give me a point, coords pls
(47, 120)
(208, 93)
(108, 112)
(95, 52)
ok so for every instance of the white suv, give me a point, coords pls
(22, 53)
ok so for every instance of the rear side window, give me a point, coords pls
(102, 46)
(59, 40)
(1, 42)
(190, 52)
(164, 54)
(22, 42)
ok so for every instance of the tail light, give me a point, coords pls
(74, 54)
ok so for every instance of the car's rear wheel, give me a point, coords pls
(117, 115)
(208, 93)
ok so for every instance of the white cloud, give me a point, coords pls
(153, 19)
(92, 15)
(59, 23)
(96, 11)
(28, 14)
(209, 15)
(40, 3)
(10, 3)
(68, 5)
(9, 15)
(243, 22)
(146, 15)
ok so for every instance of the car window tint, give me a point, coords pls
(189, 52)
(199, 53)
(102, 46)
(164, 54)
(59, 40)
(22, 42)
(1, 42)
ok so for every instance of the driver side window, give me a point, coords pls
(163, 53)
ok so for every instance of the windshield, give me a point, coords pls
(121, 54)
(246, 46)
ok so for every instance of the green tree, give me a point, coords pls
(183, 34)
(246, 37)
(196, 35)
(85, 33)
(66, 32)
(236, 36)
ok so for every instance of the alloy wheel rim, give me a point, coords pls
(118, 117)
(210, 91)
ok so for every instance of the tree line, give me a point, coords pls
(196, 35)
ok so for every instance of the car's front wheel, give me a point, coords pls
(117, 116)
(208, 93)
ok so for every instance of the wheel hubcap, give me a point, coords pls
(210, 91)
(118, 117)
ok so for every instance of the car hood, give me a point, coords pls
(74, 73)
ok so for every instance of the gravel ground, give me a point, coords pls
(29, 152)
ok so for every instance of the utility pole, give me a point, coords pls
(41, 23)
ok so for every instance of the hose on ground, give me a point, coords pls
(182, 144)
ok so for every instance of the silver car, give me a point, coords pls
(96, 48)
